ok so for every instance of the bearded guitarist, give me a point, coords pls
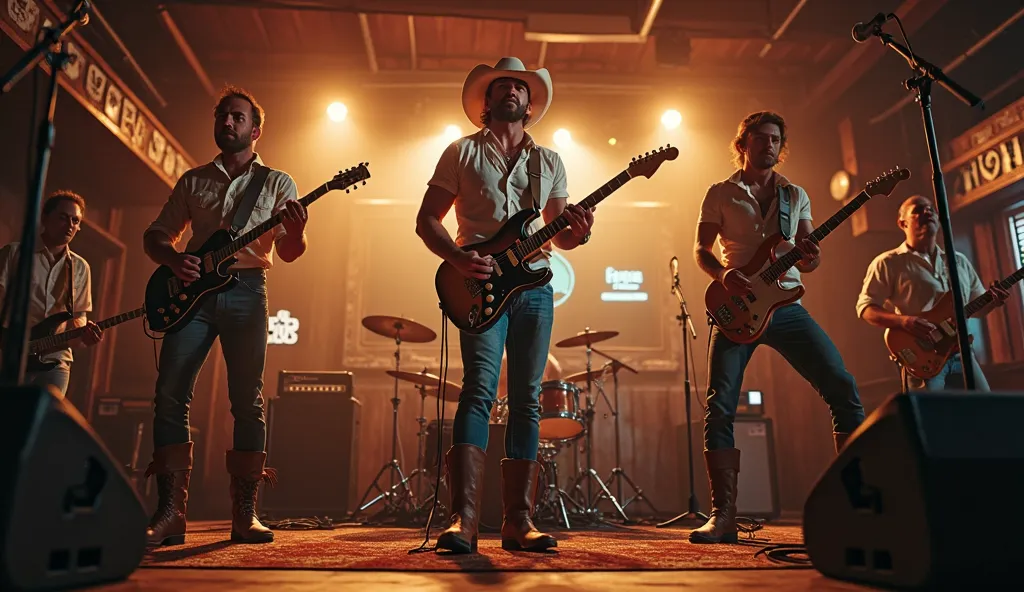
(911, 279)
(741, 212)
(209, 198)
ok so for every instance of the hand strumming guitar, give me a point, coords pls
(471, 264)
(916, 326)
(185, 266)
(734, 281)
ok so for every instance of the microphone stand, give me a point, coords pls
(12, 371)
(921, 84)
(693, 510)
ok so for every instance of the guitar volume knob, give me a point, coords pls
(488, 287)
(488, 311)
(183, 296)
(490, 298)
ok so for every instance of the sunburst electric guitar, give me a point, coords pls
(924, 357)
(171, 304)
(474, 305)
(743, 317)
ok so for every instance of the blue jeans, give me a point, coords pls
(525, 331)
(239, 317)
(951, 377)
(58, 376)
(794, 334)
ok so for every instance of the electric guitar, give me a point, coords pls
(44, 339)
(171, 302)
(924, 357)
(744, 317)
(474, 305)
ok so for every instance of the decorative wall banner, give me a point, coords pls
(988, 157)
(95, 85)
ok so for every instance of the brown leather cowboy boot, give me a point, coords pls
(518, 493)
(172, 466)
(723, 472)
(247, 471)
(465, 464)
(840, 440)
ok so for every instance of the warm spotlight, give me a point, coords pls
(452, 133)
(671, 119)
(562, 137)
(337, 111)
(612, 141)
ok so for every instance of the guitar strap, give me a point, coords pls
(534, 172)
(785, 224)
(69, 275)
(252, 193)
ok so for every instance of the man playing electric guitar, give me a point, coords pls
(741, 212)
(484, 176)
(911, 278)
(54, 263)
(208, 197)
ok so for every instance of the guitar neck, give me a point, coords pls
(60, 340)
(782, 264)
(548, 232)
(974, 306)
(258, 231)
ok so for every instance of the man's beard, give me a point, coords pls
(501, 113)
(231, 144)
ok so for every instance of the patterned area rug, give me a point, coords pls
(378, 548)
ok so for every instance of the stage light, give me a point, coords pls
(671, 119)
(839, 186)
(337, 111)
(612, 141)
(452, 133)
(562, 137)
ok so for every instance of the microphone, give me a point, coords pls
(674, 266)
(863, 31)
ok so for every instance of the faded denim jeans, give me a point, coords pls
(951, 377)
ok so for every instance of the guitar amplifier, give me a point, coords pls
(126, 427)
(313, 442)
(758, 491)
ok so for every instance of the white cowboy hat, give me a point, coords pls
(475, 88)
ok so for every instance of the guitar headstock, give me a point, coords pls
(349, 177)
(647, 164)
(886, 182)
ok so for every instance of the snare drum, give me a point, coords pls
(560, 415)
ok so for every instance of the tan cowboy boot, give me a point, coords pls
(172, 466)
(465, 464)
(518, 493)
(723, 472)
(247, 471)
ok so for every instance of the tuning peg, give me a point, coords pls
(364, 182)
(347, 191)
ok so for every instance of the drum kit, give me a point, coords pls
(565, 421)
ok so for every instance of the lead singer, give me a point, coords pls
(484, 175)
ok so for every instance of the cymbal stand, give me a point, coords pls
(617, 472)
(554, 497)
(590, 502)
(395, 502)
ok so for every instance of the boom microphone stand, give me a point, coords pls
(693, 510)
(12, 371)
(921, 84)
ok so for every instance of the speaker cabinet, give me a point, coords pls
(313, 442)
(925, 492)
(68, 516)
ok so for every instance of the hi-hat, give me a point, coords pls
(399, 328)
(428, 380)
(586, 337)
(596, 373)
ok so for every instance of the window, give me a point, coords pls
(1017, 235)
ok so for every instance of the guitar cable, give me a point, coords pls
(441, 383)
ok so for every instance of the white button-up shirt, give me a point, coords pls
(206, 197)
(488, 192)
(49, 288)
(732, 206)
(913, 282)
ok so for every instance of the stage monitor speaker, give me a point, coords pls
(313, 442)
(757, 485)
(68, 516)
(925, 492)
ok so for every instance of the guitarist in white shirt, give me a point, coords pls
(741, 212)
(61, 220)
(911, 278)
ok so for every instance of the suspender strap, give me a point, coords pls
(252, 193)
(785, 225)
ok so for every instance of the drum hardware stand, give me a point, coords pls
(693, 509)
(395, 502)
(554, 496)
(618, 473)
(904, 376)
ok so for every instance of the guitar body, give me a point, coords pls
(743, 318)
(44, 328)
(474, 305)
(170, 304)
(924, 358)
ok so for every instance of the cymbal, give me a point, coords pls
(428, 380)
(596, 373)
(398, 327)
(586, 337)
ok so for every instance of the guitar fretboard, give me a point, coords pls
(62, 339)
(972, 308)
(548, 232)
(782, 264)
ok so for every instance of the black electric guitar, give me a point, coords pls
(474, 305)
(44, 338)
(171, 302)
